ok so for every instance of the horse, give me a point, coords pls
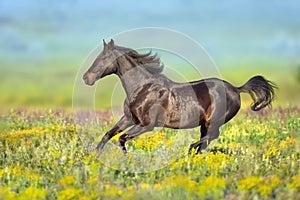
(153, 100)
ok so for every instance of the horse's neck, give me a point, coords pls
(134, 78)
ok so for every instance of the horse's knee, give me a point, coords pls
(123, 138)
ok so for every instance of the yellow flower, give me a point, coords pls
(17, 171)
(67, 180)
(265, 190)
(288, 143)
(183, 182)
(295, 183)
(112, 190)
(249, 183)
(57, 154)
(211, 185)
(85, 198)
(211, 160)
(33, 177)
(144, 185)
(156, 186)
(95, 165)
(130, 188)
(274, 181)
(44, 162)
(128, 195)
(33, 193)
(106, 186)
(5, 193)
(1, 173)
(69, 193)
(271, 152)
(149, 143)
(93, 179)
(71, 162)
(270, 142)
(120, 192)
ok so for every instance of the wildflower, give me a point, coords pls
(1, 173)
(295, 183)
(93, 179)
(111, 191)
(156, 186)
(249, 183)
(71, 161)
(270, 142)
(106, 186)
(67, 180)
(216, 161)
(274, 181)
(33, 177)
(120, 192)
(33, 193)
(144, 185)
(271, 152)
(130, 188)
(265, 190)
(5, 193)
(57, 154)
(69, 193)
(287, 143)
(211, 185)
(17, 171)
(85, 198)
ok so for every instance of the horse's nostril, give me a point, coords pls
(85, 77)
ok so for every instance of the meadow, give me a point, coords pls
(48, 153)
(44, 156)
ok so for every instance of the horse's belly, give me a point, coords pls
(187, 116)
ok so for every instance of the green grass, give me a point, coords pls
(50, 84)
(44, 156)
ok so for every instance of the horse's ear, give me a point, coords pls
(104, 43)
(111, 44)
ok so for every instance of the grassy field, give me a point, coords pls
(44, 156)
(50, 84)
(47, 151)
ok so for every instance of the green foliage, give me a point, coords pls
(43, 156)
(50, 84)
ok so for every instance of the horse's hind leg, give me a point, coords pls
(202, 140)
(207, 135)
(212, 133)
(121, 125)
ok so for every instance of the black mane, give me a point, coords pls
(150, 62)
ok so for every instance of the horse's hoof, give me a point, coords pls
(122, 147)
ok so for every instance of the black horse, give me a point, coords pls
(153, 100)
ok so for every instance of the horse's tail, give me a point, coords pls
(261, 91)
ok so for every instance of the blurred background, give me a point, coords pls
(44, 43)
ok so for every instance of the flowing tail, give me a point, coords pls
(261, 91)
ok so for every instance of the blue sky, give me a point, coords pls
(243, 29)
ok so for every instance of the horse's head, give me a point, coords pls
(105, 64)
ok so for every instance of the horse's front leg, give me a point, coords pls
(131, 133)
(121, 125)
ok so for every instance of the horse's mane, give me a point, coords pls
(150, 62)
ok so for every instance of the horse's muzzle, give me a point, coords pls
(89, 79)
